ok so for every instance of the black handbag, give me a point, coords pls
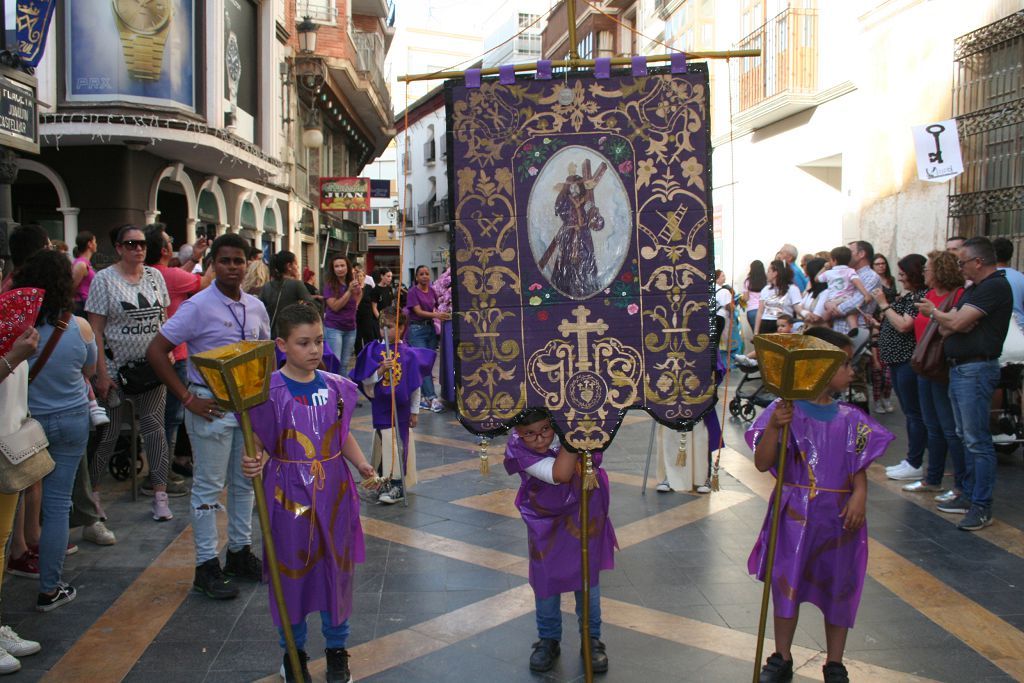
(137, 377)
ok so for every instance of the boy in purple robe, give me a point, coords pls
(304, 439)
(549, 501)
(382, 362)
(821, 553)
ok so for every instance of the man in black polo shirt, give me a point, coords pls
(974, 332)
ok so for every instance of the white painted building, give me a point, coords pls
(508, 19)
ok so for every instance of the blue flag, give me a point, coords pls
(33, 25)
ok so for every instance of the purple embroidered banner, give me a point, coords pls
(581, 251)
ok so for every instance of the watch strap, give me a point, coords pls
(144, 55)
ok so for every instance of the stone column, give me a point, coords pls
(70, 224)
(8, 174)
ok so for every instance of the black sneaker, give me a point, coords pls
(977, 517)
(210, 581)
(957, 506)
(242, 564)
(545, 652)
(286, 668)
(776, 670)
(598, 657)
(394, 494)
(337, 665)
(835, 672)
(64, 594)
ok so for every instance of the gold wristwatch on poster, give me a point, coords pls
(143, 25)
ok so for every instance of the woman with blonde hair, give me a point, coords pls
(256, 275)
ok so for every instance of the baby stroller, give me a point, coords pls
(1007, 425)
(744, 404)
(859, 392)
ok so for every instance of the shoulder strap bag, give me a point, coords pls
(929, 358)
(24, 459)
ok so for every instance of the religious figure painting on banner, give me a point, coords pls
(580, 221)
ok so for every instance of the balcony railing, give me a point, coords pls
(789, 58)
(369, 58)
(433, 213)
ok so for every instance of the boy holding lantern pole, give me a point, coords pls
(549, 502)
(821, 551)
(303, 435)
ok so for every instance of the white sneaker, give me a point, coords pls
(97, 415)
(15, 645)
(663, 487)
(98, 533)
(908, 472)
(903, 464)
(887, 404)
(704, 488)
(8, 664)
(436, 406)
(161, 511)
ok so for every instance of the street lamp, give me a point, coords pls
(312, 135)
(307, 35)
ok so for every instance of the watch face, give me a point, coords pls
(234, 62)
(143, 16)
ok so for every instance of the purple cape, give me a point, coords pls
(314, 519)
(415, 364)
(552, 516)
(816, 560)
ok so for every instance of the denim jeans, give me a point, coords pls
(341, 342)
(937, 413)
(549, 614)
(970, 391)
(67, 432)
(174, 412)
(904, 383)
(217, 460)
(336, 636)
(424, 337)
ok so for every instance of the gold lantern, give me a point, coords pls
(238, 374)
(794, 367)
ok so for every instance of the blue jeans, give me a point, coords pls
(67, 432)
(937, 413)
(174, 412)
(341, 342)
(904, 383)
(970, 391)
(424, 337)
(217, 461)
(549, 614)
(336, 636)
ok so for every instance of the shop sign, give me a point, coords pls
(937, 147)
(344, 194)
(19, 116)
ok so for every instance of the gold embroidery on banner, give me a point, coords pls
(591, 376)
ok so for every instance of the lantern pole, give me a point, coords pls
(773, 536)
(588, 665)
(270, 552)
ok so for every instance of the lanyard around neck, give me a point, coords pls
(240, 323)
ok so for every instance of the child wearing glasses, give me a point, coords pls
(549, 502)
(821, 552)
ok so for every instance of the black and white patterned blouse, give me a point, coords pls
(895, 347)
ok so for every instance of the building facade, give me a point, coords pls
(195, 116)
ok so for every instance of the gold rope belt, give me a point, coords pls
(316, 468)
(814, 488)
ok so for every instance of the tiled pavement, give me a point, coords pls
(443, 594)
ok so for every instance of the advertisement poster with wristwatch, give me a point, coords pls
(131, 51)
(241, 83)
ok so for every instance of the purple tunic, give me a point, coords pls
(552, 516)
(575, 268)
(415, 364)
(816, 560)
(314, 518)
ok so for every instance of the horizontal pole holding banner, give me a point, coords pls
(582, 63)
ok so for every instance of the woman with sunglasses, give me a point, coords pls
(126, 308)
